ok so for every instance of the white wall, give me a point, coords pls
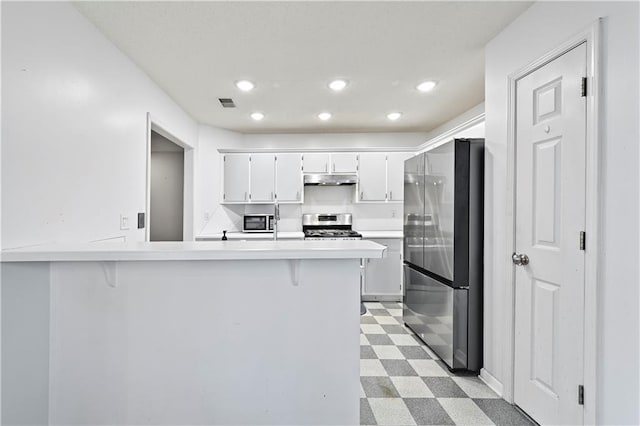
(209, 181)
(167, 196)
(333, 140)
(74, 128)
(540, 29)
(469, 124)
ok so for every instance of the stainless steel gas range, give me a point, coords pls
(328, 226)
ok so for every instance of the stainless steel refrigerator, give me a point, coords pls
(443, 238)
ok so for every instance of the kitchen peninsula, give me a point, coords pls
(225, 332)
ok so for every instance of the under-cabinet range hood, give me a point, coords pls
(330, 180)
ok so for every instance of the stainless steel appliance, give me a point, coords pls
(328, 226)
(257, 223)
(443, 235)
(329, 180)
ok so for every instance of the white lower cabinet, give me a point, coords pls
(382, 278)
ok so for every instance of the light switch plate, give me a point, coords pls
(124, 222)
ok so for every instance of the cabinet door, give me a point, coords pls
(344, 162)
(395, 175)
(263, 178)
(316, 162)
(372, 176)
(383, 277)
(236, 178)
(289, 177)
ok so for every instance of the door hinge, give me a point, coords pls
(580, 395)
(583, 90)
(582, 240)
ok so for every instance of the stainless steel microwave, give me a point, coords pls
(257, 223)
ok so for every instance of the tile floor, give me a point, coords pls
(404, 383)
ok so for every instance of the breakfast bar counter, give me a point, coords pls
(223, 332)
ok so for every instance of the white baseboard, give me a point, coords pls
(491, 381)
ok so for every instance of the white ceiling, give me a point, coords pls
(196, 51)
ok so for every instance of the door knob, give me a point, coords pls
(520, 259)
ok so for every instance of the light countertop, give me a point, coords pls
(251, 236)
(291, 235)
(380, 234)
(201, 250)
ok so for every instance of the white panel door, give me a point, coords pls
(344, 162)
(316, 162)
(372, 179)
(550, 214)
(236, 178)
(395, 174)
(289, 177)
(263, 178)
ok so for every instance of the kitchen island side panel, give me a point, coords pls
(205, 342)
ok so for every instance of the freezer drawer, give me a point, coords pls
(438, 314)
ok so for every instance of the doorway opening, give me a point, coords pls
(166, 189)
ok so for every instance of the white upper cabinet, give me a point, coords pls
(289, 178)
(236, 178)
(263, 178)
(271, 177)
(395, 175)
(372, 182)
(344, 162)
(316, 162)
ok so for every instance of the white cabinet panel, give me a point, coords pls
(344, 162)
(289, 177)
(383, 277)
(316, 162)
(262, 178)
(236, 178)
(395, 175)
(372, 176)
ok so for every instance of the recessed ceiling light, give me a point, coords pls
(324, 116)
(426, 86)
(338, 85)
(393, 116)
(257, 116)
(245, 85)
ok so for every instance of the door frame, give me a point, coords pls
(590, 36)
(187, 188)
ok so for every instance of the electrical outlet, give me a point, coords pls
(124, 222)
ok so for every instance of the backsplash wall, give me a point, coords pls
(336, 199)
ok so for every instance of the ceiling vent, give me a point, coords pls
(227, 103)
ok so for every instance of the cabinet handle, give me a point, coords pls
(361, 195)
(390, 195)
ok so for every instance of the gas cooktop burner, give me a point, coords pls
(328, 227)
(332, 234)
